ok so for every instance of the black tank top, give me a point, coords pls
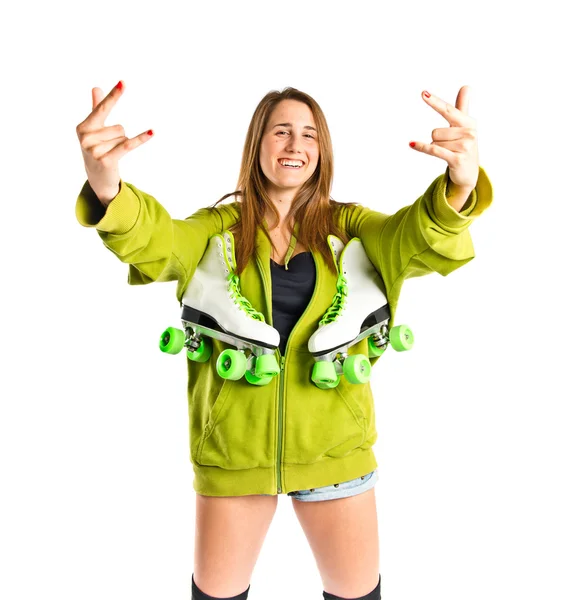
(292, 291)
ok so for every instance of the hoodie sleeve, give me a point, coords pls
(141, 233)
(428, 235)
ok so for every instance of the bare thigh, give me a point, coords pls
(229, 534)
(344, 538)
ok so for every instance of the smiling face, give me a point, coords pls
(289, 137)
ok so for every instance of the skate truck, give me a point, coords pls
(359, 309)
(213, 307)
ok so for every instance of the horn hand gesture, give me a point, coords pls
(456, 144)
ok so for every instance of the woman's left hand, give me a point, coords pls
(457, 144)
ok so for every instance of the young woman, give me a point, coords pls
(250, 443)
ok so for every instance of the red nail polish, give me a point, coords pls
(412, 144)
(150, 132)
(426, 94)
(120, 85)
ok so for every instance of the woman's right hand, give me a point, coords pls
(103, 147)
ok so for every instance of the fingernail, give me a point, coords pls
(412, 144)
(149, 132)
(426, 94)
(120, 85)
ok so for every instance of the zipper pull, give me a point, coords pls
(282, 363)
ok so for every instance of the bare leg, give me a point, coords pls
(344, 538)
(229, 534)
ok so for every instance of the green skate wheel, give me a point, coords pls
(375, 350)
(255, 380)
(401, 338)
(172, 340)
(324, 372)
(203, 353)
(231, 364)
(357, 368)
(266, 366)
(327, 386)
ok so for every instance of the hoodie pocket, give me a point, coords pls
(240, 430)
(332, 422)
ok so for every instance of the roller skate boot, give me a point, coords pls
(213, 307)
(359, 309)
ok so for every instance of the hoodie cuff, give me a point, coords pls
(479, 199)
(120, 215)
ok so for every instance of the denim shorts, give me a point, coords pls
(338, 490)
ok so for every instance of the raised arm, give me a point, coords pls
(141, 233)
(428, 235)
(432, 233)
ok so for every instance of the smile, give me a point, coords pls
(290, 164)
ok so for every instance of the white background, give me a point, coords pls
(95, 479)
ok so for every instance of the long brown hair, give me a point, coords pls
(312, 207)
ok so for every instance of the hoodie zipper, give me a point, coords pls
(281, 361)
(280, 421)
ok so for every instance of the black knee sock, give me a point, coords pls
(373, 595)
(197, 594)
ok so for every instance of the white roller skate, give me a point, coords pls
(213, 307)
(360, 309)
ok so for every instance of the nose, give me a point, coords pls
(294, 144)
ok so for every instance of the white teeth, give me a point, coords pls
(291, 163)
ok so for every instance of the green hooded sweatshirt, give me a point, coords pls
(288, 435)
